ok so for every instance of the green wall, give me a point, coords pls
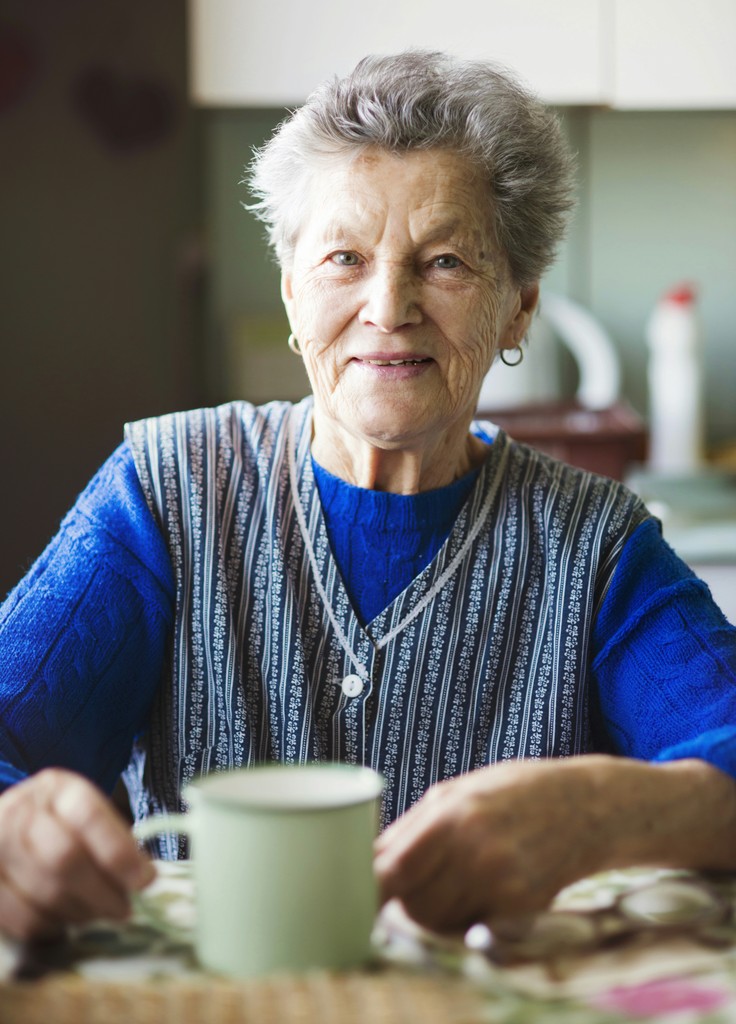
(663, 210)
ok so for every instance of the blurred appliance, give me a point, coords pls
(594, 429)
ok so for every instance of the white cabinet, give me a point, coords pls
(632, 54)
(674, 54)
(274, 52)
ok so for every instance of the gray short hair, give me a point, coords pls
(426, 100)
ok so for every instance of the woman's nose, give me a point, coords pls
(391, 299)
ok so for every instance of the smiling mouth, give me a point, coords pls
(394, 362)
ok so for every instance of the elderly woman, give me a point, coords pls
(370, 576)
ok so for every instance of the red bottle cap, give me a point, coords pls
(683, 294)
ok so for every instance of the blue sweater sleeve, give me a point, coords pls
(664, 660)
(83, 636)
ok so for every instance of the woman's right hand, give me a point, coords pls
(66, 856)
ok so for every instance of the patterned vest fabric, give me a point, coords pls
(482, 658)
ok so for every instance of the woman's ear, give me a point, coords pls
(287, 296)
(520, 320)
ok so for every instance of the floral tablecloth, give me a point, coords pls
(672, 980)
(676, 980)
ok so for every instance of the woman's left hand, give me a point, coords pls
(500, 841)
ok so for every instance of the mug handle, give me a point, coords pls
(147, 829)
(161, 823)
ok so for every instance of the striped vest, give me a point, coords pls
(482, 658)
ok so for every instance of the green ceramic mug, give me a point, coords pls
(283, 866)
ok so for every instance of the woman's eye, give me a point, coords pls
(345, 259)
(447, 262)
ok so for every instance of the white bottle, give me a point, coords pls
(675, 384)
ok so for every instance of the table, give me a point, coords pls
(144, 971)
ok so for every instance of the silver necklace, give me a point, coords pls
(436, 587)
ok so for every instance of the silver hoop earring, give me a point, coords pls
(294, 345)
(512, 362)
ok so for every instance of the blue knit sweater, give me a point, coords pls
(662, 664)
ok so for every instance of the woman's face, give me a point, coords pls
(399, 296)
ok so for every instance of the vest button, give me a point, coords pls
(352, 686)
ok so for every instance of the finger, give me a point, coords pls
(62, 877)
(405, 868)
(412, 850)
(22, 920)
(404, 826)
(104, 834)
(448, 901)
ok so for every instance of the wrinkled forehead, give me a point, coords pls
(435, 194)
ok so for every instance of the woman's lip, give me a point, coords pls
(393, 368)
(391, 359)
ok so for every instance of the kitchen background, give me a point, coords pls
(133, 282)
